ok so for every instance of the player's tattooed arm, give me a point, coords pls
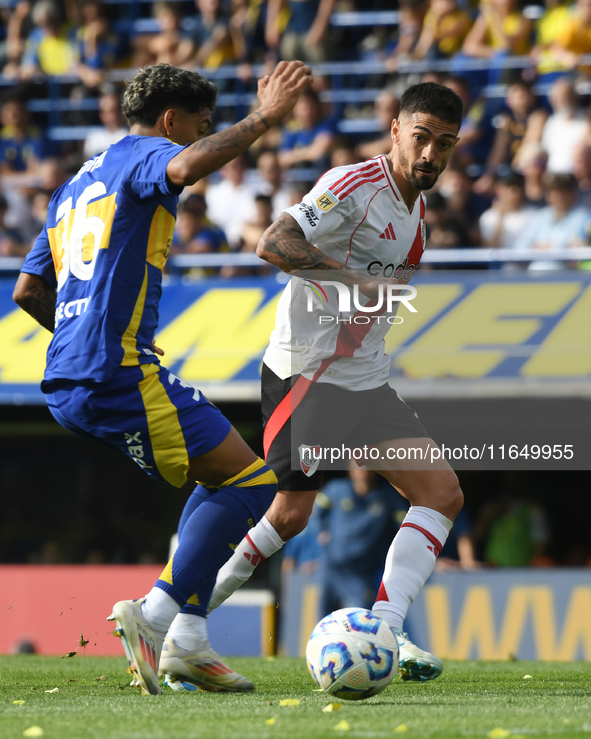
(277, 93)
(284, 245)
(37, 298)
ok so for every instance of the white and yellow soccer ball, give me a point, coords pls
(352, 654)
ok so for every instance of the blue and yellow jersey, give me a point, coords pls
(103, 248)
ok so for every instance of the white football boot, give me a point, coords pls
(414, 663)
(201, 669)
(141, 643)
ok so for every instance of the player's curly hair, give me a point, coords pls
(152, 90)
(433, 99)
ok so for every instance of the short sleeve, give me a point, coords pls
(39, 261)
(146, 175)
(320, 211)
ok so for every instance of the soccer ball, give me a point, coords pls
(352, 654)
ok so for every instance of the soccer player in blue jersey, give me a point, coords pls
(93, 278)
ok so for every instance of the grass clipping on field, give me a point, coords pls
(471, 699)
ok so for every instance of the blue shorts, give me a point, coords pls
(147, 413)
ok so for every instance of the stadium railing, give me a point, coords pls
(450, 257)
(347, 80)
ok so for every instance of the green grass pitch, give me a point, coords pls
(470, 699)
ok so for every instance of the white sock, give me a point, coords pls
(159, 610)
(261, 542)
(409, 562)
(189, 632)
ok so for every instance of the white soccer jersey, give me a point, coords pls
(357, 216)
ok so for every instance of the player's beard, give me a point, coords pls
(419, 180)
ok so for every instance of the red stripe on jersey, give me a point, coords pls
(422, 199)
(281, 414)
(359, 183)
(436, 543)
(353, 172)
(350, 338)
(365, 175)
(391, 231)
(382, 595)
(417, 248)
(249, 540)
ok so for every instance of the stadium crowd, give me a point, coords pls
(519, 179)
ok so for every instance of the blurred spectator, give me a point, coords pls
(39, 205)
(548, 30)
(11, 244)
(502, 225)
(565, 129)
(18, 28)
(443, 230)
(357, 525)
(21, 144)
(343, 156)
(575, 37)
(444, 29)
(194, 233)
(114, 126)
(230, 203)
(99, 46)
(247, 30)
(463, 204)
(386, 108)
(522, 121)
(51, 174)
(164, 46)
(208, 44)
(499, 30)
(305, 36)
(249, 237)
(513, 533)
(558, 226)
(531, 163)
(411, 14)
(51, 46)
(254, 229)
(458, 550)
(271, 181)
(477, 132)
(308, 138)
(582, 173)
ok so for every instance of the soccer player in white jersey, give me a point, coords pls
(326, 381)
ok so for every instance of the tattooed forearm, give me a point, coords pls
(209, 154)
(35, 297)
(283, 244)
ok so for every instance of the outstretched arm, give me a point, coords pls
(37, 298)
(277, 95)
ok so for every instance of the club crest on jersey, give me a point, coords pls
(326, 201)
(309, 459)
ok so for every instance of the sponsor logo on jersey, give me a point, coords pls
(135, 447)
(326, 201)
(309, 459)
(388, 233)
(402, 271)
(308, 211)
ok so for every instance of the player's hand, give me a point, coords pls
(157, 349)
(278, 93)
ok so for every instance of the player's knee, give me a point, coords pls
(291, 522)
(453, 496)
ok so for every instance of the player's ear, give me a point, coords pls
(168, 121)
(395, 130)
